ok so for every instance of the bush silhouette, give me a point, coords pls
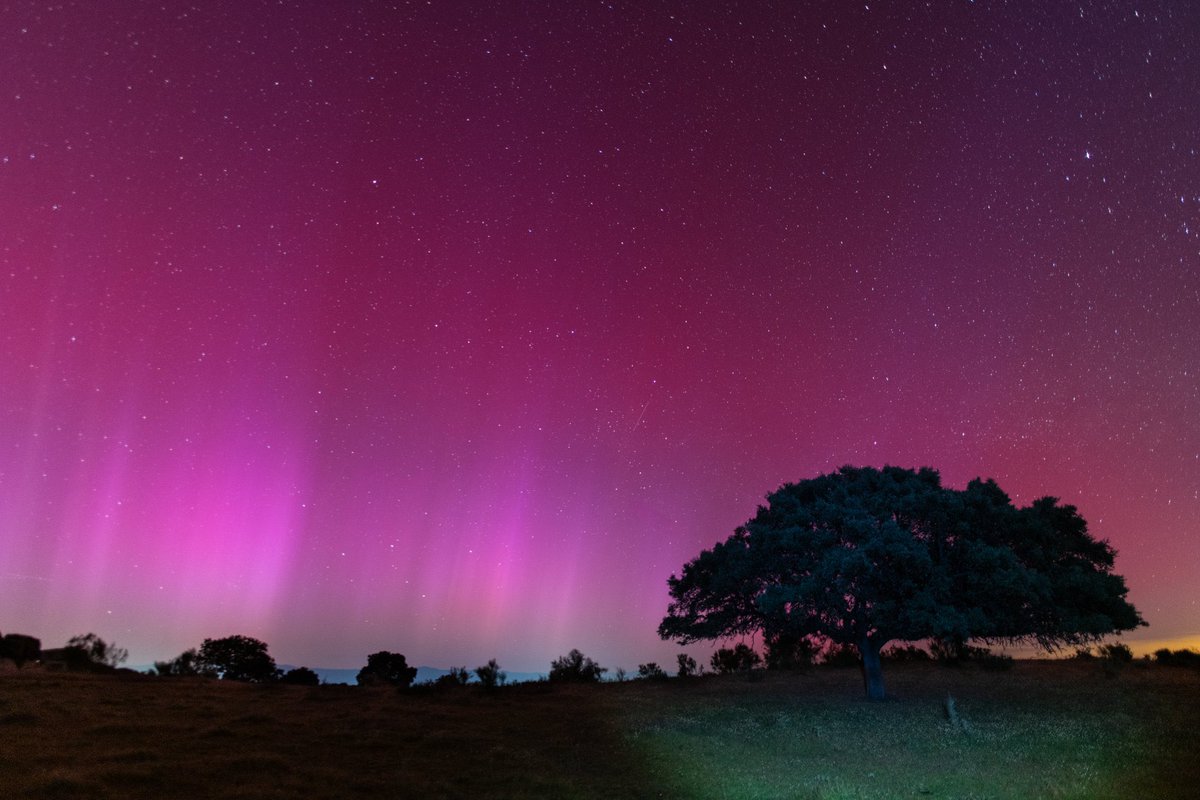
(301, 676)
(457, 676)
(386, 669)
(576, 667)
(651, 671)
(490, 675)
(737, 659)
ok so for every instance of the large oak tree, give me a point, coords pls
(864, 557)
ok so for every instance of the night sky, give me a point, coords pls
(454, 330)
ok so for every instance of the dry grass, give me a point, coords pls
(1059, 730)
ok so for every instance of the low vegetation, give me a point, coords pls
(1065, 729)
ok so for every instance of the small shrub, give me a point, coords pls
(1084, 654)
(651, 671)
(904, 653)
(737, 659)
(301, 676)
(620, 675)
(1117, 653)
(457, 676)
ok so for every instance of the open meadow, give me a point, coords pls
(1041, 729)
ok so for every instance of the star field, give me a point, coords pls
(456, 330)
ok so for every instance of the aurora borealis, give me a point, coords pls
(454, 329)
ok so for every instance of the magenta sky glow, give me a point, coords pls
(456, 330)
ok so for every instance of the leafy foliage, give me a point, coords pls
(864, 557)
(576, 667)
(236, 658)
(385, 668)
(740, 658)
(490, 675)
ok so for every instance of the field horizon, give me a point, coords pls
(1062, 729)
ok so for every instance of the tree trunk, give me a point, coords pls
(872, 668)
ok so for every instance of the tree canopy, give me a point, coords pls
(236, 658)
(866, 556)
(386, 668)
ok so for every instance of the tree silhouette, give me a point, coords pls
(576, 667)
(237, 658)
(864, 556)
(688, 667)
(737, 659)
(97, 651)
(490, 675)
(20, 648)
(384, 668)
(185, 664)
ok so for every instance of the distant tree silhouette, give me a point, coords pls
(902, 653)
(301, 676)
(687, 666)
(384, 668)
(185, 664)
(20, 648)
(490, 675)
(737, 659)
(237, 658)
(651, 671)
(864, 557)
(457, 676)
(786, 650)
(97, 651)
(576, 667)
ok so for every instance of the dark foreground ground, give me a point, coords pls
(1054, 730)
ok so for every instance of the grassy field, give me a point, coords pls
(1055, 730)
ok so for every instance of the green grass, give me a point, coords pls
(1054, 730)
